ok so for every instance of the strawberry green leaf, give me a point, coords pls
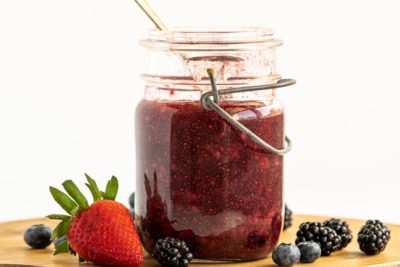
(75, 211)
(111, 189)
(61, 229)
(75, 193)
(63, 200)
(81, 259)
(58, 217)
(93, 188)
(61, 248)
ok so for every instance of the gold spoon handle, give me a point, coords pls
(152, 15)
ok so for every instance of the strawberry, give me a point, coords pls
(102, 233)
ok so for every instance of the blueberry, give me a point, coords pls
(38, 236)
(286, 255)
(310, 251)
(132, 200)
(132, 212)
(60, 240)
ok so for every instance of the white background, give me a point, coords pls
(69, 83)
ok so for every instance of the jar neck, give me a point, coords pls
(169, 93)
(179, 59)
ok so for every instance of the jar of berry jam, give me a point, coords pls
(213, 180)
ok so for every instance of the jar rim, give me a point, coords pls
(211, 38)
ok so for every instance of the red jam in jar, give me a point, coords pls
(199, 178)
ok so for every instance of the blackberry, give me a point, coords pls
(373, 237)
(288, 218)
(324, 236)
(172, 252)
(342, 229)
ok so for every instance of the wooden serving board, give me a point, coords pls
(13, 250)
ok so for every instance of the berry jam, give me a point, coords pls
(203, 181)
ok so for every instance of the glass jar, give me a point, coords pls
(199, 178)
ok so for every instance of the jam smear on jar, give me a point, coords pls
(204, 181)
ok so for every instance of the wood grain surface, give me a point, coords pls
(14, 252)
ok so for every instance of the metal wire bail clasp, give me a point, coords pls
(212, 104)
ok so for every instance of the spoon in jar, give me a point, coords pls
(152, 15)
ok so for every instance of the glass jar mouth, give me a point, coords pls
(187, 83)
(216, 38)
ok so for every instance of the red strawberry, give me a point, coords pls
(102, 233)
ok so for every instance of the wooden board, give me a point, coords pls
(14, 251)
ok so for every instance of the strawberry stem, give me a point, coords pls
(58, 217)
(75, 211)
(63, 200)
(93, 188)
(111, 189)
(76, 194)
(61, 229)
(61, 248)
